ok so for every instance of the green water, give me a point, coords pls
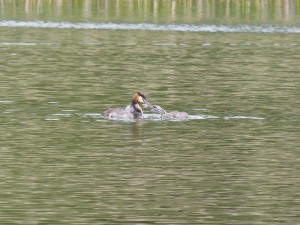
(61, 163)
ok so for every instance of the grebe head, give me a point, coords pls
(139, 97)
(158, 109)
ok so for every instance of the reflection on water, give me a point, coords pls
(235, 160)
(179, 11)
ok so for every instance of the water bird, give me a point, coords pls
(174, 115)
(133, 111)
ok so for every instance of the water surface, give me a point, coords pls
(235, 161)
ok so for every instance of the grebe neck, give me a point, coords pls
(137, 107)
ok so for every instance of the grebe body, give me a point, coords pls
(133, 111)
(174, 115)
(118, 113)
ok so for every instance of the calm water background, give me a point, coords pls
(237, 163)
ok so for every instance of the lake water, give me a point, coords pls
(235, 161)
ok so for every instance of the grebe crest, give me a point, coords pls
(133, 111)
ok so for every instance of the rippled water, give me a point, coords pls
(234, 161)
(153, 27)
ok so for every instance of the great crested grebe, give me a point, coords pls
(133, 111)
(174, 115)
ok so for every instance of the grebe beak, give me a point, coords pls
(141, 98)
(146, 103)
